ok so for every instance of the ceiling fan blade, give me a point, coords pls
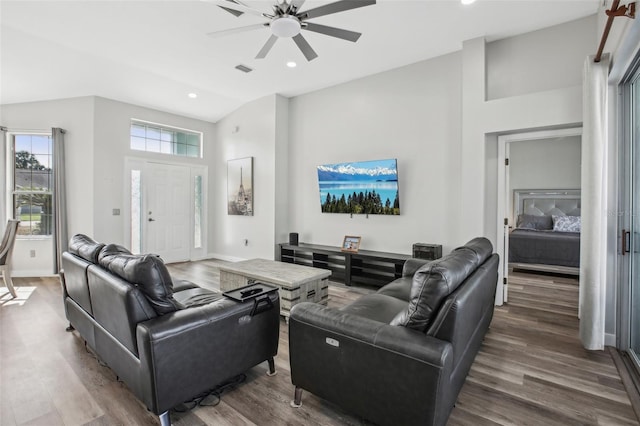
(230, 31)
(237, 8)
(332, 31)
(231, 11)
(339, 6)
(267, 47)
(306, 49)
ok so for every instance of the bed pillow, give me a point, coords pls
(529, 221)
(566, 223)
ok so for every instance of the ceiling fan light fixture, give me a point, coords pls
(285, 26)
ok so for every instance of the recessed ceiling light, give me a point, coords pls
(192, 95)
(291, 64)
(467, 1)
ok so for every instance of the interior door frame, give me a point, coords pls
(504, 198)
(136, 163)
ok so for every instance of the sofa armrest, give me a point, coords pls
(192, 350)
(412, 265)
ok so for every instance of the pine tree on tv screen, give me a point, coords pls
(364, 187)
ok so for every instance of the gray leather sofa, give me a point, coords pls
(169, 341)
(401, 355)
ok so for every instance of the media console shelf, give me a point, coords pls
(364, 267)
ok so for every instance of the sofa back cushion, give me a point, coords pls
(147, 272)
(433, 282)
(85, 247)
(118, 306)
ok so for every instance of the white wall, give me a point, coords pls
(412, 114)
(519, 66)
(97, 142)
(76, 117)
(545, 164)
(249, 131)
(112, 141)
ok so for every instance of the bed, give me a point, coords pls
(546, 236)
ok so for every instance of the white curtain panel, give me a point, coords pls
(593, 243)
(3, 177)
(60, 237)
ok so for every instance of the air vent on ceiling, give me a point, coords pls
(243, 68)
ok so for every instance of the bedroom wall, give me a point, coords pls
(545, 164)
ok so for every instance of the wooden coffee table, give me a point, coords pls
(297, 283)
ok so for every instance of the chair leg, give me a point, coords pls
(8, 282)
(297, 398)
(165, 419)
(272, 367)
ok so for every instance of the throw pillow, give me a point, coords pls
(566, 223)
(529, 221)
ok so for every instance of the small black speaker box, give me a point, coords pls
(293, 238)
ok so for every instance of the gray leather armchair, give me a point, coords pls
(399, 356)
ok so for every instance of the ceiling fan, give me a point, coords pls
(286, 21)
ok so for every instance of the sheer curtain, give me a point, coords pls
(3, 177)
(593, 241)
(60, 237)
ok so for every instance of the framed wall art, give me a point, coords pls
(240, 187)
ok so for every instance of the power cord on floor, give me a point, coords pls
(210, 398)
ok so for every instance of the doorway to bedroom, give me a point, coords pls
(539, 182)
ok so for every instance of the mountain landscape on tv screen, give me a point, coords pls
(365, 187)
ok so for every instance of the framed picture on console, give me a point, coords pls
(351, 243)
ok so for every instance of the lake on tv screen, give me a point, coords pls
(386, 190)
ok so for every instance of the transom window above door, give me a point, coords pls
(153, 137)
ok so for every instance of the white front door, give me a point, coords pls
(167, 213)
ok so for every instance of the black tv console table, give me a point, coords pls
(365, 267)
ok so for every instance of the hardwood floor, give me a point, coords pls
(531, 369)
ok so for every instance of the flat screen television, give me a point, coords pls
(362, 187)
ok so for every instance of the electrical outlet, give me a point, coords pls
(32, 253)
(115, 212)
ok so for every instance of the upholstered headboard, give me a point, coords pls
(540, 202)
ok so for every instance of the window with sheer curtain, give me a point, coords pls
(32, 183)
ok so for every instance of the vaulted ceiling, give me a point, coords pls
(153, 53)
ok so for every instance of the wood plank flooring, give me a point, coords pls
(531, 369)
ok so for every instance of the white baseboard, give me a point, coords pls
(32, 274)
(610, 339)
(225, 257)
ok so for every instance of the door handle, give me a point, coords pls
(151, 219)
(626, 242)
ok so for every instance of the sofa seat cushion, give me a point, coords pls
(147, 272)
(179, 285)
(85, 247)
(196, 296)
(436, 280)
(400, 288)
(377, 307)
